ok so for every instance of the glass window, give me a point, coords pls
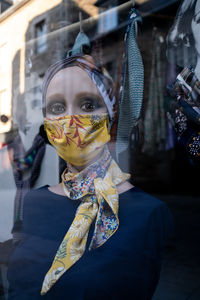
(99, 149)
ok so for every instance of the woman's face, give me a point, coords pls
(195, 25)
(71, 91)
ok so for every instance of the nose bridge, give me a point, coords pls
(69, 108)
(70, 103)
(70, 94)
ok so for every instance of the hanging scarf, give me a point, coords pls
(154, 120)
(95, 188)
(23, 161)
(131, 94)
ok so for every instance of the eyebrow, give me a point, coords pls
(80, 95)
(55, 96)
(91, 95)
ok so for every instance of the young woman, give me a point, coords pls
(94, 235)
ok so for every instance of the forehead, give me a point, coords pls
(70, 81)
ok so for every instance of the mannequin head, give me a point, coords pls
(72, 92)
(77, 105)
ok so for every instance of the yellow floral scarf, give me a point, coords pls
(95, 186)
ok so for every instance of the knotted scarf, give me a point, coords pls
(95, 188)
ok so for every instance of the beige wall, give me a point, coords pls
(13, 26)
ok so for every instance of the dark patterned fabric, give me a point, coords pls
(22, 162)
(183, 108)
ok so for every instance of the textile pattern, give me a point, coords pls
(131, 91)
(183, 107)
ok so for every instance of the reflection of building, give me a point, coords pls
(13, 26)
(16, 30)
(20, 88)
(31, 39)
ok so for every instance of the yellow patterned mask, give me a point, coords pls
(78, 139)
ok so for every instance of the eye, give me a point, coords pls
(56, 108)
(90, 104)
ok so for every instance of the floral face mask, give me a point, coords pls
(78, 139)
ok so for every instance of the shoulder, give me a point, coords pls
(39, 198)
(136, 196)
(35, 193)
(41, 206)
(144, 206)
(146, 213)
(34, 199)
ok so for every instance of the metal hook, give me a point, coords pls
(80, 21)
(136, 24)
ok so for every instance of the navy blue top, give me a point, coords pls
(127, 266)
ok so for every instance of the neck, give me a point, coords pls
(77, 169)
